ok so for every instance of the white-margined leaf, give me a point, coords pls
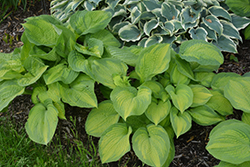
(188, 16)
(213, 23)
(130, 33)
(240, 22)
(230, 31)
(198, 33)
(150, 25)
(211, 34)
(218, 11)
(153, 40)
(169, 11)
(135, 15)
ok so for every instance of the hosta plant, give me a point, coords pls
(156, 21)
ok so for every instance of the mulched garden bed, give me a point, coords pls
(190, 147)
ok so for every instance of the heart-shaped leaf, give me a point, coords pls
(198, 33)
(201, 95)
(130, 33)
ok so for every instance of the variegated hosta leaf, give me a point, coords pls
(153, 40)
(211, 34)
(169, 11)
(153, 60)
(240, 22)
(240, 8)
(80, 92)
(204, 78)
(229, 30)
(130, 101)
(151, 145)
(201, 95)
(225, 44)
(205, 116)
(201, 52)
(42, 122)
(169, 27)
(99, 119)
(219, 103)
(135, 15)
(114, 142)
(198, 33)
(8, 91)
(229, 142)
(157, 111)
(181, 96)
(218, 11)
(213, 23)
(181, 122)
(238, 93)
(151, 4)
(130, 33)
(177, 78)
(184, 67)
(188, 16)
(226, 164)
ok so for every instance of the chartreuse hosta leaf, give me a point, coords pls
(84, 22)
(201, 52)
(151, 145)
(225, 164)
(201, 95)
(42, 122)
(246, 118)
(241, 7)
(101, 118)
(157, 111)
(229, 141)
(204, 78)
(219, 103)
(184, 67)
(153, 60)
(8, 91)
(238, 93)
(181, 96)
(205, 116)
(114, 142)
(80, 92)
(181, 122)
(130, 101)
(177, 78)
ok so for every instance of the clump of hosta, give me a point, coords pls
(152, 21)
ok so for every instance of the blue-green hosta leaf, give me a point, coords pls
(42, 122)
(211, 34)
(89, 6)
(135, 15)
(150, 25)
(240, 22)
(230, 31)
(153, 60)
(114, 142)
(218, 11)
(240, 7)
(168, 39)
(201, 95)
(84, 22)
(246, 118)
(205, 116)
(40, 31)
(169, 27)
(182, 96)
(112, 3)
(186, 26)
(35, 68)
(105, 69)
(201, 52)
(176, 77)
(213, 23)
(220, 104)
(118, 26)
(156, 112)
(181, 122)
(225, 164)
(169, 11)
(119, 10)
(99, 119)
(151, 4)
(229, 140)
(238, 93)
(151, 145)
(153, 40)
(188, 16)
(198, 33)
(130, 33)
(9, 90)
(130, 101)
(80, 92)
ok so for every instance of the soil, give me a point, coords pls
(190, 147)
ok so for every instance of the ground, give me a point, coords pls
(190, 147)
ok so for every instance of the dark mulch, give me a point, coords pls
(190, 147)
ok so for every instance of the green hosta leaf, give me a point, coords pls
(198, 33)
(238, 93)
(181, 122)
(42, 122)
(114, 142)
(240, 7)
(101, 118)
(94, 48)
(153, 60)
(151, 145)
(225, 164)
(205, 78)
(246, 118)
(177, 78)
(182, 96)
(40, 31)
(156, 112)
(39, 94)
(169, 11)
(137, 122)
(184, 67)
(229, 140)
(130, 33)
(205, 116)
(247, 33)
(105, 69)
(8, 91)
(201, 95)
(150, 25)
(230, 30)
(240, 22)
(201, 52)
(84, 22)
(220, 104)
(44, 52)
(226, 44)
(218, 11)
(80, 92)
(213, 23)
(130, 101)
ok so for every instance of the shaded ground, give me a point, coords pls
(190, 147)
